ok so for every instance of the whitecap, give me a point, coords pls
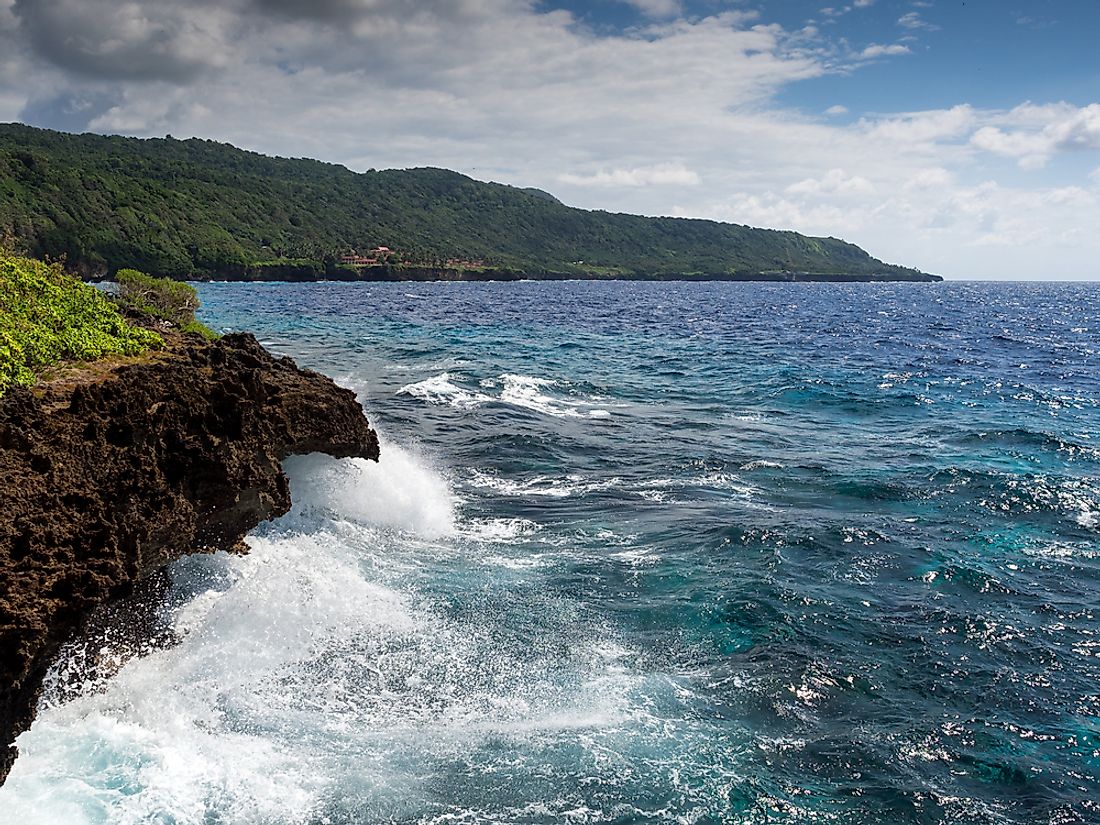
(527, 391)
(439, 389)
(760, 464)
(523, 391)
(498, 529)
(543, 486)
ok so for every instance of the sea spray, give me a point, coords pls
(314, 678)
(398, 491)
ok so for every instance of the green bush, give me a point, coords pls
(173, 301)
(47, 317)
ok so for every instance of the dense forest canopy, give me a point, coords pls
(197, 208)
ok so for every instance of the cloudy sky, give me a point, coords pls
(961, 137)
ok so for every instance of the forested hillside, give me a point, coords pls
(196, 208)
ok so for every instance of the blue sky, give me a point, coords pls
(959, 137)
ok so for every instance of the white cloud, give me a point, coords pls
(912, 20)
(656, 8)
(669, 174)
(1033, 134)
(836, 111)
(835, 181)
(879, 50)
(922, 127)
(935, 177)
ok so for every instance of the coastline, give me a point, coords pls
(113, 470)
(399, 274)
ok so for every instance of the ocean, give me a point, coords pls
(636, 552)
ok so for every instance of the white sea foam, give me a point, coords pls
(499, 529)
(309, 673)
(529, 393)
(543, 486)
(400, 490)
(761, 464)
(576, 485)
(524, 391)
(637, 557)
(440, 389)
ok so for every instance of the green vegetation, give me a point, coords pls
(199, 209)
(172, 301)
(47, 317)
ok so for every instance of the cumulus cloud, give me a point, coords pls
(835, 181)
(935, 177)
(922, 128)
(327, 10)
(666, 174)
(1033, 134)
(130, 40)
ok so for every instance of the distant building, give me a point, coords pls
(358, 260)
(373, 258)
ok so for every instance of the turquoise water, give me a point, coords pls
(638, 553)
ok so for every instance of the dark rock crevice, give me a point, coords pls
(105, 481)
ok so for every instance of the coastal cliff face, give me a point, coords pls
(108, 476)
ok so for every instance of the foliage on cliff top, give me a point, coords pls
(173, 301)
(187, 208)
(47, 317)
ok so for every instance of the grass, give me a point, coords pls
(48, 317)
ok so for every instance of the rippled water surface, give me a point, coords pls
(638, 553)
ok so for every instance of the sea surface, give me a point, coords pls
(683, 553)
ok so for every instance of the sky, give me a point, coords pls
(961, 137)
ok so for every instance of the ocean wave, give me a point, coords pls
(576, 485)
(399, 491)
(1077, 499)
(493, 530)
(440, 389)
(762, 464)
(522, 391)
(543, 486)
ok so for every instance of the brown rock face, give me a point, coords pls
(104, 481)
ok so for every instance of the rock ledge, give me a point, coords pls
(106, 479)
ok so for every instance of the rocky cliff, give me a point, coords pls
(108, 475)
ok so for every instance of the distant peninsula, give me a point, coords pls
(200, 210)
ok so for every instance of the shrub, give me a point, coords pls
(172, 301)
(47, 317)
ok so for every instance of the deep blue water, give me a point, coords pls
(640, 553)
